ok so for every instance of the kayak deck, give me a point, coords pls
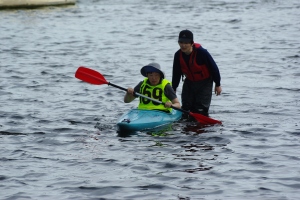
(141, 120)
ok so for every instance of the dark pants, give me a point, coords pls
(196, 96)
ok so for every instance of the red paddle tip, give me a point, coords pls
(204, 119)
(89, 75)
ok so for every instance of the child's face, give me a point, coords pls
(154, 78)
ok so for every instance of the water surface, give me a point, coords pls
(58, 134)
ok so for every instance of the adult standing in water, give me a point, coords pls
(198, 71)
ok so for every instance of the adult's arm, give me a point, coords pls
(214, 71)
(212, 66)
(176, 74)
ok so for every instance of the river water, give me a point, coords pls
(58, 134)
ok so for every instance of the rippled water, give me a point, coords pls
(58, 134)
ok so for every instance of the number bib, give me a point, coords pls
(154, 92)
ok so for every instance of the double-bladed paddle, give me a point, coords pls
(93, 77)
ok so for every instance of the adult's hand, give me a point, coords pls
(218, 90)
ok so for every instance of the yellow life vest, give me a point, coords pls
(155, 92)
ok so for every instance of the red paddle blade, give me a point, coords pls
(89, 75)
(204, 120)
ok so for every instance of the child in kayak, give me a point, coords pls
(156, 87)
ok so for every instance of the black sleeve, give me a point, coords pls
(212, 66)
(177, 73)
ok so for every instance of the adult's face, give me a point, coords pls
(186, 47)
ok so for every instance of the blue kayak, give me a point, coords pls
(141, 120)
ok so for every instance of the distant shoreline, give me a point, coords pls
(9, 4)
